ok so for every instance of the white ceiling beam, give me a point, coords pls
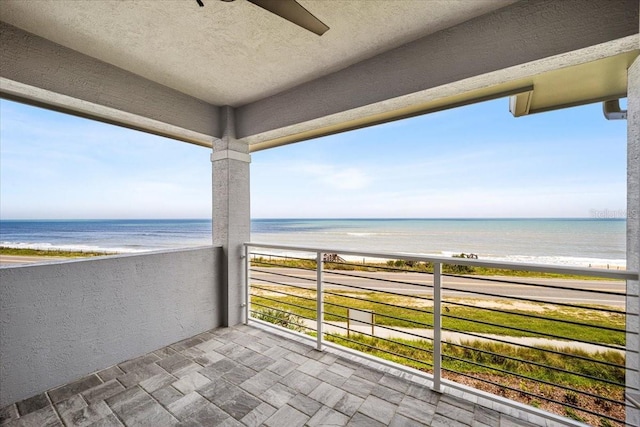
(470, 56)
(39, 69)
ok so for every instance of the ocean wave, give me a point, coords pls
(561, 260)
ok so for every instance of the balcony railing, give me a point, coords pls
(544, 339)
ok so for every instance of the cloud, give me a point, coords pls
(336, 177)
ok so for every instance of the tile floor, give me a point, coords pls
(248, 376)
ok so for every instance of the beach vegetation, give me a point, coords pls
(561, 380)
(417, 312)
(403, 266)
(418, 354)
(281, 318)
(51, 253)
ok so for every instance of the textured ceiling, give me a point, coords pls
(234, 53)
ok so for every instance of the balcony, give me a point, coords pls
(527, 336)
(247, 376)
(137, 340)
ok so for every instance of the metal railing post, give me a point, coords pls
(319, 301)
(437, 327)
(247, 283)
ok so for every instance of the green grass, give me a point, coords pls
(527, 375)
(414, 313)
(50, 253)
(401, 266)
(417, 354)
(522, 377)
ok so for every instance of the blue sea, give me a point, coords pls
(577, 242)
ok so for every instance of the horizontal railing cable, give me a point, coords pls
(472, 334)
(480, 350)
(277, 291)
(377, 325)
(379, 267)
(518, 266)
(510, 297)
(473, 321)
(286, 257)
(452, 289)
(289, 285)
(276, 320)
(529, 362)
(597, 378)
(535, 316)
(360, 343)
(279, 310)
(504, 371)
(536, 285)
(383, 350)
(414, 322)
(376, 290)
(480, 336)
(483, 366)
(528, 393)
(542, 349)
(290, 276)
(332, 272)
(484, 338)
(543, 334)
(265, 264)
(378, 279)
(378, 302)
(260, 313)
(286, 303)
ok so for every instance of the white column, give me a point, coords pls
(633, 236)
(231, 215)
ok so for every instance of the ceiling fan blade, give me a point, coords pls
(292, 11)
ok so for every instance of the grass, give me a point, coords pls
(534, 376)
(280, 318)
(411, 312)
(537, 378)
(417, 354)
(50, 253)
(401, 266)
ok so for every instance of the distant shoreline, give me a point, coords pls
(16, 256)
(577, 242)
(586, 218)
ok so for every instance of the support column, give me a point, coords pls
(231, 215)
(633, 239)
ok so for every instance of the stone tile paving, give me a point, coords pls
(247, 376)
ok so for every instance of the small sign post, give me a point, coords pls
(360, 318)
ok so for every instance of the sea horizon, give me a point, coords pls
(581, 242)
(614, 218)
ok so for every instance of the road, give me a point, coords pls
(405, 283)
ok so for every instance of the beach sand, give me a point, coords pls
(8, 260)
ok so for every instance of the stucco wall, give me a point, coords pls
(63, 320)
(513, 36)
(39, 63)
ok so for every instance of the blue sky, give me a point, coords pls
(475, 161)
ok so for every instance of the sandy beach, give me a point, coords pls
(8, 260)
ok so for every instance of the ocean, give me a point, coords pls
(575, 242)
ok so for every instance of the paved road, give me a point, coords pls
(405, 283)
